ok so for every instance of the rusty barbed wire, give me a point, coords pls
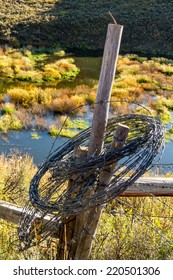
(53, 199)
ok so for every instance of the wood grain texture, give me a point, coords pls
(145, 186)
(107, 74)
(88, 222)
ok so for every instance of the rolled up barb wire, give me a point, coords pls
(51, 195)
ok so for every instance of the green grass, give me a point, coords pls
(74, 124)
(64, 132)
(70, 128)
(35, 136)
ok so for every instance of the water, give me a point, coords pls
(89, 72)
(40, 148)
(22, 142)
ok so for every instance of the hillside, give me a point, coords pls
(82, 24)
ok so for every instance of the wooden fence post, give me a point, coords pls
(92, 217)
(107, 74)
(89, 220)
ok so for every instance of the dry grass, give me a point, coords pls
(16, 171)
(28, 97)
(23, 97)
(63, 105)
(134, 228)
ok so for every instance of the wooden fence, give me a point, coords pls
(145, 186)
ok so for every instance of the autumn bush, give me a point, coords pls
(129, 228)
(25, 66)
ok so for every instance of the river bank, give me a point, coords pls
(138, 80)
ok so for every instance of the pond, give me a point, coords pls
(39, 148)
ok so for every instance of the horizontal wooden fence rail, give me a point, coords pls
(150, 186)
(145, 186)
(12, 212)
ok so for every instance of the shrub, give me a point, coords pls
(5, 62)
(143, 80)
(78, 100)
(45, 96)
(162, 104)
(29, 76)
(90, 97)
(166, 69)
(26, 66)
(8, 122)
(135, 57)
(16, 173)
(63, 104)
(8, 108)
(61, 69)
(24, 97)
(165, 116)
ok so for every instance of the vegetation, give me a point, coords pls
(16, 171)
(54, 131)
(130, 228)
(142, 81)
(140, 223)
(8, 122)
(35, 135)
(135, 229)
(68, 128)
(139, 79)
(83, 25)
(25, 66)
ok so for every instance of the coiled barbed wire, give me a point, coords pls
(65, 185)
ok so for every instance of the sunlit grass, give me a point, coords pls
(24, 65)
(8, 122)
(59, 70)
(128, 228)
(8, 108)
(35, 135)
(134, 228)
(64, 132)
(138, 80)
(67, 128)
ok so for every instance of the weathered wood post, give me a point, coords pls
(90, 220)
